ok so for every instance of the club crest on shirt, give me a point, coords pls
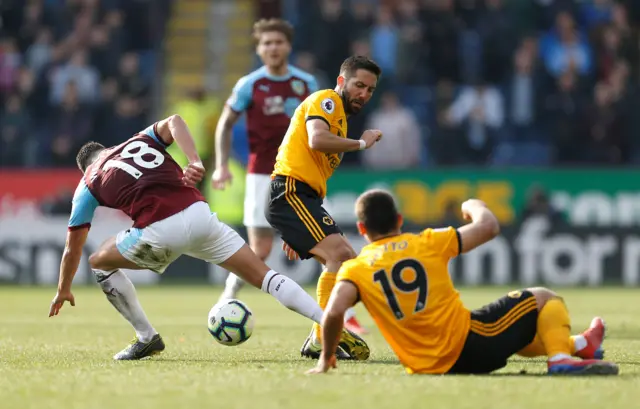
(328, 220)
(297, 86)
(328, 105)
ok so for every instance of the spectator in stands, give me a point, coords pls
(606, 127)
(539, 205)
(629, 38)
(10, 61)
(596, 12)
(14, 129)
(523, 92)
(84, 76)
(563, 107)
(566, 48)
(130, 79)
(442, 38)
(129, 116)
(307, 61)
(331, 34)
(384, 42)
(105, 113)
(104, 51)
(412, 57)
(71, 125)
(363, 12)
(479, 109)
(498, 35)
(402, 146)
(39, 52)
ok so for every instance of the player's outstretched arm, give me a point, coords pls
(484, 225)
(343, 297)
(68, 266)
(224, 134)
(321, 139)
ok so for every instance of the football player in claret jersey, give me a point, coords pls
(170, 218)
(268, 96)
(403, 281)
(309, 154)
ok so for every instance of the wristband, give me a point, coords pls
(363, 144)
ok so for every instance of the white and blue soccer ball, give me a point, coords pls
(230, 322)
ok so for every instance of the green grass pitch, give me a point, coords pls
(65, 362)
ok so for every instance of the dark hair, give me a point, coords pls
(273, 24)
(377, 210)
(87, 153)
(358, 62)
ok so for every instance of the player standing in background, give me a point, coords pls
(404, 282)
(269, 96)
(170, 218)
(310, 152)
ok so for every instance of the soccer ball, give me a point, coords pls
(230, 322)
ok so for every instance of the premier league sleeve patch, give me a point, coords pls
(328, 105)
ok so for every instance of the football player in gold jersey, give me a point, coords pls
(311, 150)
(403, 281)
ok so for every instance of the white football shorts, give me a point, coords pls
(195, 231)
(256, 198)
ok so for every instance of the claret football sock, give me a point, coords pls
(291, 295)
(122, 295)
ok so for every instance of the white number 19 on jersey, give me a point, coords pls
(128, 153)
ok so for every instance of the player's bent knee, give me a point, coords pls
(245, 264)
(262, 247)
(334, 250)
(95, 261)
(542, 295)
(260, 241)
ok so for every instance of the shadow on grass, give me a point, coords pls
(539, 361)
(264, 360)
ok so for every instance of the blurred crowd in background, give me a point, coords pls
(73, 71)
(466, 82)
(486, 82)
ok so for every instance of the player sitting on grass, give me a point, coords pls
(170, 218)
(403, 281)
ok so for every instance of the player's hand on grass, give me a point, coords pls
(193, 173)
(323, 366)
(370, 137)
(468, 206)
(221, 176)
(59, 300)
(291, 254)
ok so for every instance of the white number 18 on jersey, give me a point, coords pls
(127, 153)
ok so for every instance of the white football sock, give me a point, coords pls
(350, 313)
(291, 295)
(232, 286)
(579, 342)
(122, 295)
